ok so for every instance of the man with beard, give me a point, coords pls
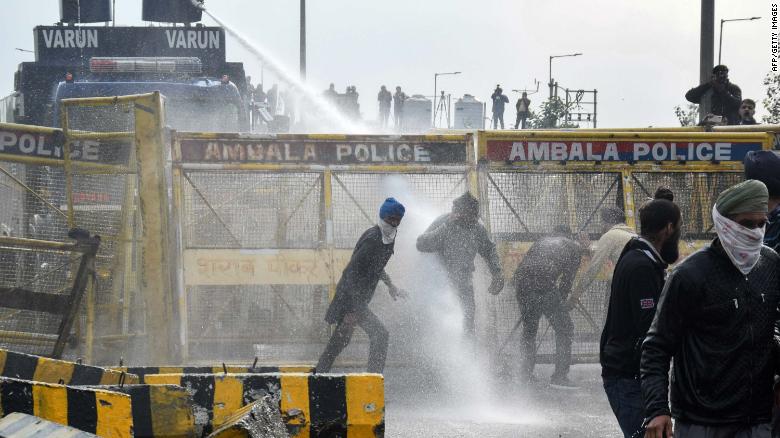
(356, 287)
(716, 318)
(456, 238)
(636, 285)
(542, 282)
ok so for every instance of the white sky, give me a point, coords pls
(641, 55)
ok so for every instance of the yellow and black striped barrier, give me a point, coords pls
(104, 413)
(252, 417)
(311, 404)
(230, 369)
(160, 411)
(42, 369)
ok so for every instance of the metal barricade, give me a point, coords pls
(535, 180)
(267, 224)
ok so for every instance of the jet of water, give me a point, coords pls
(323, 106)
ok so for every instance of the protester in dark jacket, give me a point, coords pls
(543, 281)
(636, 285)
(456, 238)
(765, 167)
(356, 288)
(718, 96)
(717, 318)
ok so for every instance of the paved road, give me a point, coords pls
(416, 408)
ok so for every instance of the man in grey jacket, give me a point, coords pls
(456, 238)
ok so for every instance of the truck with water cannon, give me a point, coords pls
(185, 62)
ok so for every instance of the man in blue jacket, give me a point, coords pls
(356, 287)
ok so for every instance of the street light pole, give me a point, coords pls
(303, 40)
(551, 79)
(720, 42)
(435, 90)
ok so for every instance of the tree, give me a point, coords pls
(688, 116)
(772, 100)
(551, 111)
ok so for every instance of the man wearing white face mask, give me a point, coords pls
(356, 287)
(717, 317)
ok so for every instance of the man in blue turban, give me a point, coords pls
(356, 287)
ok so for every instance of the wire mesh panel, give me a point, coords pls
(237, 322)
(525, 206)
(260, 211)
(357, 197)
(695, 193)
(225, 209)
(41, 271)
(534, 203)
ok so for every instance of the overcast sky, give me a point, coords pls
(641, 55)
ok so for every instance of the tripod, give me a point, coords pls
(441, 108)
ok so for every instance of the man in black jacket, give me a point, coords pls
(456, 238)
(636, 285)
(543, 281)
(717, 318)
(718, 96)
(356, 287)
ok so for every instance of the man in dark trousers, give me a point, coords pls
(717, 318)
(398, 107)
(718, 96)
(499, 100)
(636, 285)
(523, 107)
(356, 287)
(456, 238)
(385, 99)
(542, 281)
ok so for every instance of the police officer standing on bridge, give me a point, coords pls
(356, 287)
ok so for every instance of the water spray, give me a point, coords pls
(342, 123)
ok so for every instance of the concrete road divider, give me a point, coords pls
(42, 369)
(104, 413)
(18, 425)
(311, 404)
(160, 411)
(230, 369)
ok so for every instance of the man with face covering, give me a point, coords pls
(456, 238)
(716, 318)
(356, 287)
(636, 285)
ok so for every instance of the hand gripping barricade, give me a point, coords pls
(536, 180)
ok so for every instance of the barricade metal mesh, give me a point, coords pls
(42, 271)
(695, 193)
(225, 209)
(253, 210)
(357, 197)
(99, 181)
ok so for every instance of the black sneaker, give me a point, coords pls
(562, 383)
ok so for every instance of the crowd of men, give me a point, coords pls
(714, 319)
